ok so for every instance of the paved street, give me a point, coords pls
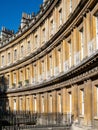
(80, 128)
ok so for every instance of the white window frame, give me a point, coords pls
(70, 105)
(15, 80)
(70, 99)
(8, 78)
(60, 102)
(14, 104)
(35, 104)
(28, 73)
(70, 53)
(82, 99)
(60, 59)
(50, 103)
(43, 35)
(70, 6)
(15, 54)
(43, 66)
(43, 69)
(36, 41)
(29, 46)
(21, 75)
(50, 65)
(35, 73)
(20, 104)
(52, 27)
(22, 50)
(28, 104)
(60, 16)
(7, 105)
(82, 43)
(43, 107)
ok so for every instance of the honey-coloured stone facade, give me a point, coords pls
(50, 64)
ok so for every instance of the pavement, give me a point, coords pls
(75, 127)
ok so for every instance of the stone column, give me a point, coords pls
(17, 78)
(85, 36)
(94, 100)
(11, 103)
(94, 26)
(31, 103)
(64, 100)
(72, 48)
(46, 29)
(31, 73)
(38, 97)
(67, 8)
(39, 70)
(88, 26)
(54, 94)
(61, 60)
(11, 80)
(46, 66)
(46, 102)
(55, 20)
(17, 103)
(53, 61)
(64, 50)
(24, 75)
(24, 103)
(88, 103)
(18, 52)
(75, 101)
(64, 10)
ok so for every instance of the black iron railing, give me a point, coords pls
(25, 120)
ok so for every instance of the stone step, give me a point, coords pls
(50, 128)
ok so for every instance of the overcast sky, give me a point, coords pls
(11, 11)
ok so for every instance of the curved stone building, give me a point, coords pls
(51, 64)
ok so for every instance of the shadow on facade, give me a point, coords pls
(25, 120)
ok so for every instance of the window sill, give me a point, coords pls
(51, 35)
(96, 117)
(59, 26)
(81, 116)
(43, 42)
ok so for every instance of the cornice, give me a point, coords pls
(48, 46)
